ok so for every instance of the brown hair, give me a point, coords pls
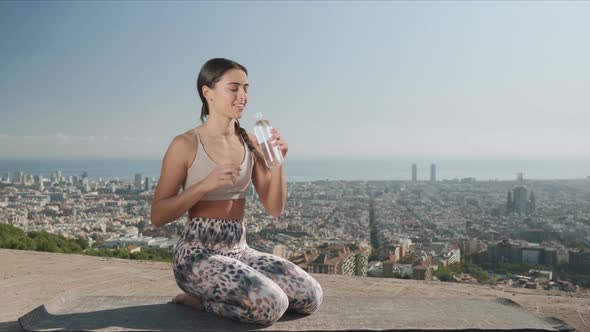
(209, 75)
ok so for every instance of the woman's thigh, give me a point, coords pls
(304, 292)
(229, 287)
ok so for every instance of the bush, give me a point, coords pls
(14, 238)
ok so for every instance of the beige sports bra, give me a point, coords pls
(203, 165)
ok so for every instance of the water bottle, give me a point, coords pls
(272, 154)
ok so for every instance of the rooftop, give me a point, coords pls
(29, 279)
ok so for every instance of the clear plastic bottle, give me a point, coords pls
(272, 155)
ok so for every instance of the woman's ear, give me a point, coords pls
(207, 92)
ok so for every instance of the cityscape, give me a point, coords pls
(414, 229)
(436, 160)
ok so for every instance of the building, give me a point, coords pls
(339, 259)
(140, 241)
(550, 255)
(471, 247)
(432, 173)
(520, 197)
(414, 173)
(137, 182)
(420, 272)
(521, 201)
(533, 253)
(579, 260)
(504, 252)
(279, 250)
(388, 268)
(451, 256)
(147, 184)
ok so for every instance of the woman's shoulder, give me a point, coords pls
(184, 146)
(188, 138)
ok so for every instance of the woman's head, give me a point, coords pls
(223, 88)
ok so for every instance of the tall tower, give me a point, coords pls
(137, 182)
(520, 199)
(432, 173)
(414, 173)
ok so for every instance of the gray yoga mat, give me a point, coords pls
(71, 312)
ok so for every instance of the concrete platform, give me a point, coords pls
(30, 279)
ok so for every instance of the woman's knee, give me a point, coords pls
(272, 308)
(312, 299)
(264, 301)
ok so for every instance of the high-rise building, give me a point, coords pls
(520, 176)
(137, 183)
(520, 198)
(432, 172)
(86, 184)
(147, 184)
(414, 173)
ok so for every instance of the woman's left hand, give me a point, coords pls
(279, 141)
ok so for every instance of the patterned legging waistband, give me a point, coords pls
(215, 233)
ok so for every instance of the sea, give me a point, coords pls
(312, 169)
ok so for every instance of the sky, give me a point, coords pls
(337, 79)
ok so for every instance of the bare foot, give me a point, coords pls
(189, 300)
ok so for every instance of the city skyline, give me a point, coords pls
(363, 80)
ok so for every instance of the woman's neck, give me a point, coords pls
(219, 127)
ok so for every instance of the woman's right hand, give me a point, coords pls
(221, 176)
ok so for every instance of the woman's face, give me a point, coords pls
(230, 95)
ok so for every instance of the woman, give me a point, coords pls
(213, 264)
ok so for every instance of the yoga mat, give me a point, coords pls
(69, 311)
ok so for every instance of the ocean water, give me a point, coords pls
(322, 169)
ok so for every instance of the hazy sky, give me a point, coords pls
(381, 79)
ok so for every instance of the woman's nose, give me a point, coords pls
(242, 93)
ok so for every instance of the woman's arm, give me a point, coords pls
(277, 191)
(168, 205)
(271, 186)
(167, 210)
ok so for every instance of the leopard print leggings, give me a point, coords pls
(213, 262)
